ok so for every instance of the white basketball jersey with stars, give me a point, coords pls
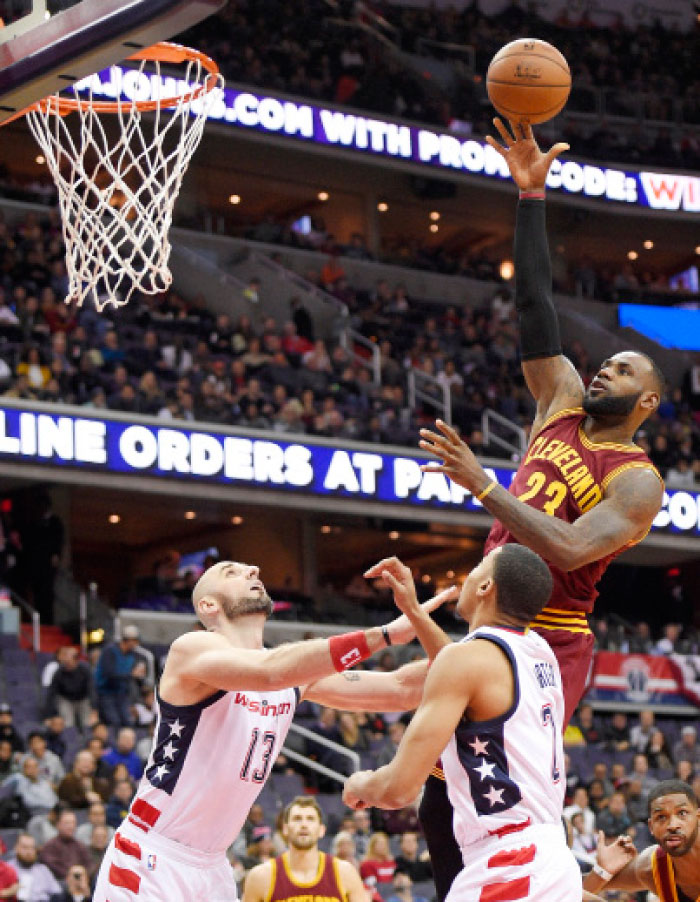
(509, 771)
(208, 763)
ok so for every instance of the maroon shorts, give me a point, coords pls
(574, 652)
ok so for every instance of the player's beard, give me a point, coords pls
(253, 604)
(684, 848)
(303, 843)
(614, 407)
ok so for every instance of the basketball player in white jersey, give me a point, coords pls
(224, 709)
(492, 707)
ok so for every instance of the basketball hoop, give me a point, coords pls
(117, 187)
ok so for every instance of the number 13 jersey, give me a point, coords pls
(208, 763)
(507, 773)
(565, 474)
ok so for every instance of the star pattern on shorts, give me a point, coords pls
(480, 748)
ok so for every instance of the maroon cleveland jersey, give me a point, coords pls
(565, 475)
(325, 887)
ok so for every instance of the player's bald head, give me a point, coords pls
(207, 581)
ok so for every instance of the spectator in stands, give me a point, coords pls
(378, 864)
(411, 861)
(586, 723)
(388, 751)
(684, 771)
(583, 841)
(615, 820)
(343, 847)
(50, 765)
(97, 846)
(114, 680)
(9, 881)
(687, 748)
(124, 753)
(640, 772)
(96, 747)
(71, 688)
(8, 760)
(641, 733)
(64, 851)
(402, 886)
(658, 751)
(34, 790)
(600, 772)
(617, 732)
(261, 848)
(636, 801)
(53, 734)
(118, 805)
(77, 888)
(362, 832)
(579, 805)
(352, 735)
(42, 827)
(668, 642)
(36, 882)
(8, 730)
(97, 817)
(81, 788)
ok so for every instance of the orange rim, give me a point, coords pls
(164, 52)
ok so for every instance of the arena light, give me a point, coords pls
(697, 249)
(506, 270)
(450, 574)
(114, 518)
(648, 244)
(236, 520)
(434, 227)
(40, 159)
(190, 515)
(323, 196)
(382, 206)
(632, 255)
(325, 529)
(235, 199)
(435, 216)
(394, 535)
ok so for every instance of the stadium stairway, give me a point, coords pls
(50, 638)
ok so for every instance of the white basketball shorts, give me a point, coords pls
(146, 867)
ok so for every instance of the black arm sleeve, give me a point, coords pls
(539, 325)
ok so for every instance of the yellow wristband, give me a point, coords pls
(489, 488)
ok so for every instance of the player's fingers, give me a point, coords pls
(385, 563)
(448, 594)
(503, 131)
(492, 142)
(527, 131)
(448, 431)
(436, 444)
(600, 840)
(391, 580)
(435, 468)
(554, 152)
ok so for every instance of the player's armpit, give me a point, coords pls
(360, 690)
(452, 681)
(555, 385)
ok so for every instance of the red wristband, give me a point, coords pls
(532, 195)
(348, 649)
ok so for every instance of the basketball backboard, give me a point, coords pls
(42, 53)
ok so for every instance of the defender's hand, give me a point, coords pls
(527, 164)
(401, 630)
(354, 787)
(615, 856)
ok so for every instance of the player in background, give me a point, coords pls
(493, 707)
(584, 492)
(224, 708)
(670, 869)
(304, 872)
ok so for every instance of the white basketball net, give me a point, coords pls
(118, 176)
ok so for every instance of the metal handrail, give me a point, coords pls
(349, 337)
(416, 393)
(447, 50)
(313, 765)
(33, 614)
(336, 747)
(491, 437)
(300, 282)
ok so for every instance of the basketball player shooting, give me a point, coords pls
(584, 492)
(224, 708)
(493, 706)
(303, 871)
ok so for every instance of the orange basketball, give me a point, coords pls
(528, 81)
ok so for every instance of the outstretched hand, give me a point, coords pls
(458, 461)
(401, 630)
(617, 855)
(527, 164)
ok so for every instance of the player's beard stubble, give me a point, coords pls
(254, 604)
(610, 406)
